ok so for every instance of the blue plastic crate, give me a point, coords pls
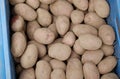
(6, 62)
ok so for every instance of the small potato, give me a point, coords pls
(13, 2)
(93, 19)
(33, 3)
(107, 49)
(80, 29)
(31, 27)
(69, 39)
(110, 76)
(107, 34)
(90, 42)
(44, 17)
(59, 51)
(77, 16)
(43, 70)
(44, 6)
(102, 11)
(25, 11)
(17, 23)
(47, 58)
(81, 4)
(107, 64)
(92, 56)
(58, 74)
(62, 24)
(74, 69)
(90, 71)
(61, 7)
(56, 64)
(19, 69)
(44, 36)
(29, 58)
(77, 48)
(18, 44)
(27, 74)
(41, 48)
(91, 6)
(47, 1)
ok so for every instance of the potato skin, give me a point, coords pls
(18, 44)
(47, 58)
(107, 34)
(43, 70)
(110, 76)
(74, 69)
(107, 64)
(44, 6)
(29, 58)
(25, 11)
(91, 6)
(13, 2)
(90, 71)
(63, 51)
(33, 3)
(47, 1)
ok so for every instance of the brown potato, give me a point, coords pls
(107, 64)
(110, 76)
(63, 51)
(107, 34)
(13, 2)
(47, 58)
(29, 58)
(74, 69)
(44, 6)
(61, 7)
(18, 44)
(33, 3)
(47, 1)
(90, 71)
(25, 11)
(43, 70)
(91, 6)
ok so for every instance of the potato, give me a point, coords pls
(61, 7)
(47, 1)
(69, 39)
(44, 6)
(56, 64)
(93, 19)
(46, 58)
(74, 69)
(74, 55)
(91, 6)
(29, 58)
(44, 17)
(25, 11)
(33, 3)
(58, 74)
(13, 2)
(27, 74)
(107, 34)
(102, 11)
(69, 1)
(18, 44)
(63, 51)
(77, 48)
(31, 27)
(19, 69)
(62, 24)
(80, 29)
(92, 56)
(81, 4)
(43, 70)
(77, 16)
(44, 36)
(107, 64)
(110, 76)
(17, 23)
(41, 48)
(90, 71)
(90, 42)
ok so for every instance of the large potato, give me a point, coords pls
(43, 70)
(80, 29)
(29, 58)
(107, 64)
(13, 2)
(90, 42)
(74, 69)
(59, 51)
(92, 56)
(44, 36)
(25, 11)
(62, 24)
(47, 1)
(110, 76)
(107, 34)
(93, 19)
(44, 17)
(90, 71)
(18, 44)
(33, 3)
(61, 7)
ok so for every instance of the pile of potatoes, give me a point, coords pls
(62, 39)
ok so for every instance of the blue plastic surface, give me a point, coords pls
(6, 62)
